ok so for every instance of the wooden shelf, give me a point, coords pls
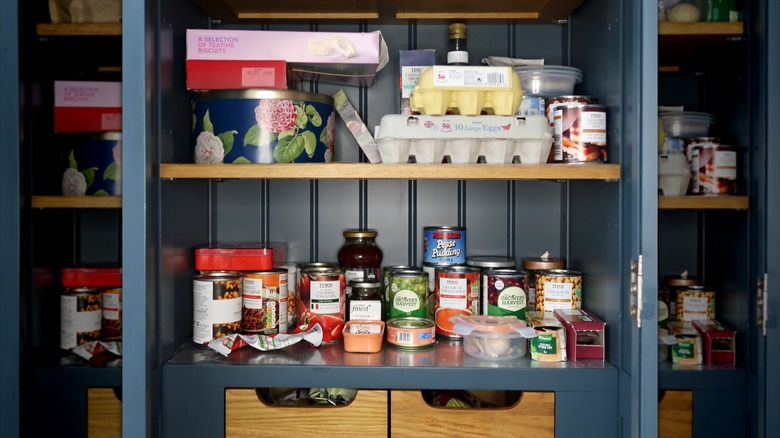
(309, 171)
(703, 202)
(666, 28)
(79, 29)
(76, 202)
(530, 10)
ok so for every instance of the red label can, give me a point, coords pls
(457, 293)
(322, 292)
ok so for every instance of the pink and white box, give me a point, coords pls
(84, 106)
(339, 57)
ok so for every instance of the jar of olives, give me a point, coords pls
(360, 258)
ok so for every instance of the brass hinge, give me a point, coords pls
(636, 291)
(761, 303)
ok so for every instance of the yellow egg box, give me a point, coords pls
(468, 90)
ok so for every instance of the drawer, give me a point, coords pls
(104, 413)
(532, 416)
(247, 416)
(675, 415)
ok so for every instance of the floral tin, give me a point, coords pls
(93, 164)
(262, 126)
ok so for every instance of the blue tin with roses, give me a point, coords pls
(93, 164)
(262, 126)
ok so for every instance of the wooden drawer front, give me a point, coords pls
(533, 416)
(104, 413)
(675, 415)
(247, 416)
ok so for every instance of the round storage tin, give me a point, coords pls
(558, 289)
(93, 164)
(80, 316)
(216, 306)
(262, 126)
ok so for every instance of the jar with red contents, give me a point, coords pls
(360, 258)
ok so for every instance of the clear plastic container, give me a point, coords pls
(687, 124)
(549, 80)
(493, 337)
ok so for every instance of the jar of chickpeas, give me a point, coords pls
(558, 289)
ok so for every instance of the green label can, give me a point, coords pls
(408, 290)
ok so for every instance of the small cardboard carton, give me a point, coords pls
(686, 347)
(84, 106)
(235, 74)
(338, 57)
(411, 63)
(719, 342)
(549, 345)
(585, 334)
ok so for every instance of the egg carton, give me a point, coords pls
(465, 150)
(467, 89)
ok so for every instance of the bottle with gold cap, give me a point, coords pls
(457, 54)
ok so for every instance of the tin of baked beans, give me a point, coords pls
(111, 324)
(410, 333)
(485, 264)
(216, 306)
(80, 316)
(554, 102)
(264, 302)
(322, 289)
(292, 294)
(444, 244)
(457, 293)
(408, 293)
(695, 303)
(580, 133)
(558, 289)
(532, 265)
(505, 292)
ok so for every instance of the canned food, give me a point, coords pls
(457, 293)
(485, 264)
(264, 303)
(386, 286)
(111, 324)
(533, 265)
(216, 306)
(323, 298)
(664, 299)
(558, 289)
(408, 294)
(695, 303)
(554, 102)
(580, 133)
(292, 294)
(717, 170)
(80, 316)
(505, 292)
(674, 283)
(444, 244)
(410, 333)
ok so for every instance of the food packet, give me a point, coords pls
(89, 349)
(226, 344)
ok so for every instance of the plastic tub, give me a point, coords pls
(549, 81)
(492, 337)
(687, 124)
(363, 336)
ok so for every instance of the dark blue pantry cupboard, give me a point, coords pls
(605, 220)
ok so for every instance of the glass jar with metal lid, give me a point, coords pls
(366, 301)
(534, 264)
(360, 257)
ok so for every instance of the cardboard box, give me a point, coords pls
(549, 345)
(719, 342)
(83, 106)
(231, 74)
(585, 334)
(686, 347)
(338, 57)
(411, 63)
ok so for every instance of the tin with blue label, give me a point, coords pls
(444, 245)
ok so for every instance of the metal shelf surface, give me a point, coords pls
(717, 377)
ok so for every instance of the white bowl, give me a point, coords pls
(687, 124)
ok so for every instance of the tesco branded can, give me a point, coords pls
(111, 325)
(80, 316)
(457, 293)
(216, 306)
(323, 292)
(486, 264)
(553, 103)
(558, 289)
(580, 133)
(292, 294)
(264, 303)
(444, 245)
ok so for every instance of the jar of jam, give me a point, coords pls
(365, 301)
(360, 258)
(534, 264)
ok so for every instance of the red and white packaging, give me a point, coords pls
(83, 106)
(585, 334)
(92, 277)
(235, 74)
(719, 341)
(249, 257)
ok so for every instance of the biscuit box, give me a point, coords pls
(585, 334)
(338, 57)
(235, 74)
(687, 348)
(549, 345)
(85, 106)
(719, 342)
